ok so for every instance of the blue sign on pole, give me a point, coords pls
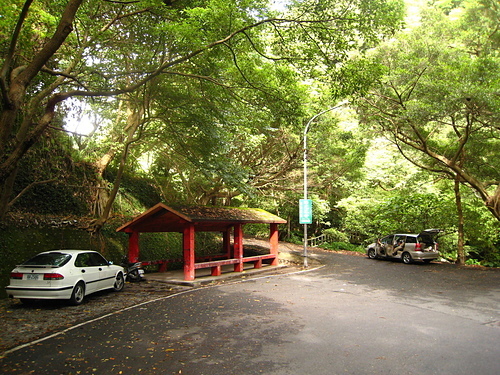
(305, 211)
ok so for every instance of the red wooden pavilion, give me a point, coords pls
(190, 219)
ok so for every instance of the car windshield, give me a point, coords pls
(48, 259)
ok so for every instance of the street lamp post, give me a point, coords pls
(306, 130)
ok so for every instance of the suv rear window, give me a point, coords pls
(425, 239)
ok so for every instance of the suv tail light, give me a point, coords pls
(53, 276)
(418, 247)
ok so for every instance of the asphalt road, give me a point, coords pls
(352, 316)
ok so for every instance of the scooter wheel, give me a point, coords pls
(133, 276)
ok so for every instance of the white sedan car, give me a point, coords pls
(64, 274)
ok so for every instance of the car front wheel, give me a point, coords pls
(119, 283)
(371, 253)
(78, 294)
(406, 258)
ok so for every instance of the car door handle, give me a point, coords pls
(83, 271)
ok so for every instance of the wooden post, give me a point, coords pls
(273, 242)
(238, 247)
(226, 242)
(162, 267)
(133, 247)
(216, 270)
(188, 251)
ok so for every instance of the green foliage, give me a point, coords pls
(354, 25)
(472, 262)
(198, 69)
(346, 246)
(438, 106)
(143, 189)
(257, 230)
(411, 212)
(160, 246)
(168, 246)
(374, 214)
(68, 180)
(335, 235)
(223, 122)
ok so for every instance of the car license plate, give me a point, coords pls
(31, 276)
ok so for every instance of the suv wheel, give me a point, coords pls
(371, 253)
(406, 258)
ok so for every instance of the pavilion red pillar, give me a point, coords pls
(226, 242)
(133, 247)
(273, 241)
(188, 252)
(238, 247)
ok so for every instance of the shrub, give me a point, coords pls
(342, 246)
(334, 235)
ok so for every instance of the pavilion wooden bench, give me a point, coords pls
(216, 265)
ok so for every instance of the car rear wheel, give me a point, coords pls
(371, 253)
(78, 294)
(119, 283)
(406, 258)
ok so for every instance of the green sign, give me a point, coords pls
(305, 211)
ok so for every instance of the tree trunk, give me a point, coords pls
(6, 189)
(102, 193)
(14, 82)
(134, 120)
(493, 202)
(460, 216)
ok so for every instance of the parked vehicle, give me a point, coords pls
(64, 274)
(406, 247)
(133, 271)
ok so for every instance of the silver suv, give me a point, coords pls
(407, 247)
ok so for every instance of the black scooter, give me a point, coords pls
(134, 271)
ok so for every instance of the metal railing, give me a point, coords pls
(317, 241)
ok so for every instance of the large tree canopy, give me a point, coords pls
(55, 50)
(438, 97)
(206, 101)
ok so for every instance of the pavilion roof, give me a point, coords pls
(162, 218)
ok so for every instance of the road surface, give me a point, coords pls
(351, 316)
